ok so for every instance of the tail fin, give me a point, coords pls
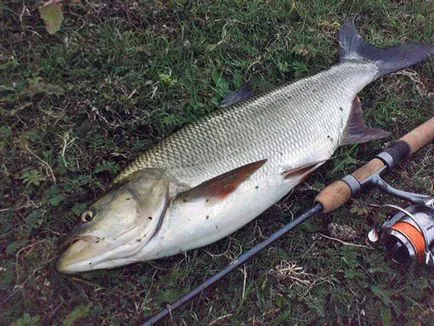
(354, 48)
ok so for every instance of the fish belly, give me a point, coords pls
(203, 221)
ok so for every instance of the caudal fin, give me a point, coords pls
(354, 48)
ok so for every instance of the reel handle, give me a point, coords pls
(339, 192)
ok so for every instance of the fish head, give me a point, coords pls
(115, 228)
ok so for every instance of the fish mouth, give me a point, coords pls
(69, 265)
(83, 256)
(85, 237)
(89, 252)
(79, 254)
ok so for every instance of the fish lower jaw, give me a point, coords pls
(124, 254)
(107, 260)
(74, 267)
(86, 266)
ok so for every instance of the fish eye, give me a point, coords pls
(87, 216)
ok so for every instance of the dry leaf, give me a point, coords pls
(52, 14)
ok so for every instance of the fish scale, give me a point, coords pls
(276, 126)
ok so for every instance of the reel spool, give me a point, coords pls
(409, 235)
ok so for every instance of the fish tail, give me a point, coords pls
(388, 60)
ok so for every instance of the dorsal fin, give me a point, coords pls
(224, 184)
(356, 131)
(243, 93)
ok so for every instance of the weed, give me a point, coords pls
(78, 106)
(32, 177)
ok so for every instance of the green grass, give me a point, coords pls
(78, 106)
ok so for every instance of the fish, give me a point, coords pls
(212, 177)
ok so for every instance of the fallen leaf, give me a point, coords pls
(52, 14)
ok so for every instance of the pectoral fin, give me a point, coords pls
(356, 131)
(224, 184)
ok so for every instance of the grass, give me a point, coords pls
(78, 106)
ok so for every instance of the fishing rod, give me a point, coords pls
(407, 236)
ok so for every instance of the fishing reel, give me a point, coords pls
(408, 236)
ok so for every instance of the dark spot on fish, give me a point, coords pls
(216, 227)
(97, 241)
(314, 91)
(207, 200)
(341, 108)
(207, 217)
(129, 198)
(256, 187)
(138, 240)
(184, 200)
(150, 218)
(90, 263)
(328, 136)
(321, 101)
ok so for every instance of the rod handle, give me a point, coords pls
(420, 136)
(339, 192)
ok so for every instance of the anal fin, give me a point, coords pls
(302, 171)
(356, 131)
(224, 184)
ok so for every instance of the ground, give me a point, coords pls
(76, 107)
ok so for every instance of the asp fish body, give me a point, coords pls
(214, 176)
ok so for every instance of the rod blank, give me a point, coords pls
(316, 210)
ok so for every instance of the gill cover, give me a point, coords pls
(120, 224)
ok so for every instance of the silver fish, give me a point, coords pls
(212, 177)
